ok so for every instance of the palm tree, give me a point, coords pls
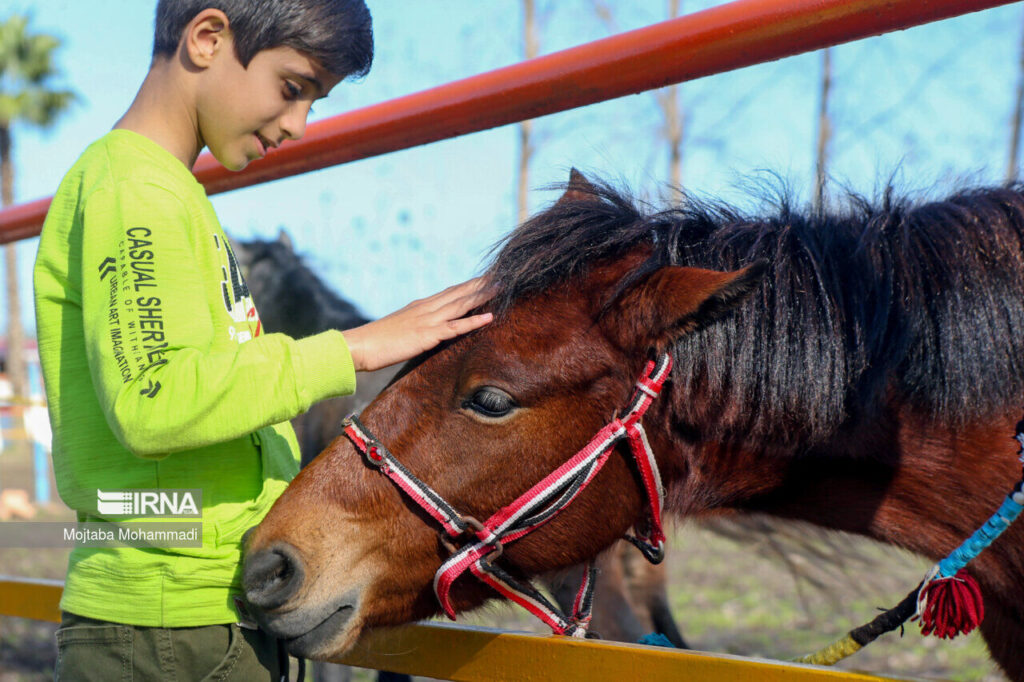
(26, 74)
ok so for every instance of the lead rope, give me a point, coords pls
(948, 601)
(534, 508)
(285, 661)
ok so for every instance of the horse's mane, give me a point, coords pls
(290, 296)
(922, 299)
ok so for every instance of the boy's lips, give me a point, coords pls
(261, 145)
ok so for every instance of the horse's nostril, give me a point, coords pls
(271, 576)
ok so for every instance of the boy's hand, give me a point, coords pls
(418, 327)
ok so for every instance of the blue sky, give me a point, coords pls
(930, 104)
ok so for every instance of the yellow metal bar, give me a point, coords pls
(30, 598)
(469, 654)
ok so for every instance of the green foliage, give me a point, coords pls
(27, 70)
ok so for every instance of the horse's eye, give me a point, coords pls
(490, 402)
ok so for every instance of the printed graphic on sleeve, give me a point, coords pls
(237, 299)
(108, 268)
(134, 315)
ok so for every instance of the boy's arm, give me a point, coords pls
(149, 334)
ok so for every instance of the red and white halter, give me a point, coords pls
(535, 507)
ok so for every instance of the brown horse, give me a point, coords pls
(292, 298)
(860, 370)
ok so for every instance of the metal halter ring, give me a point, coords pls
(472, 524)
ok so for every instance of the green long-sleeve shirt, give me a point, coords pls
(158, 376)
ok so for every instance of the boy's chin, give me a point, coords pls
(234, 164)
(232, 160)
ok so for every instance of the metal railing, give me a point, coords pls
(472, 654)
(719, 39)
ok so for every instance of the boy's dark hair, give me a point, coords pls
(337, 33)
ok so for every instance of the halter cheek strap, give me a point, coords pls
(535, 507)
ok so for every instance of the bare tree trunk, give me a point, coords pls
(673, 115)
(16, 369)
(674, 123)
(530, 50)
(824, 130)
(17, 372)
(1011, 163)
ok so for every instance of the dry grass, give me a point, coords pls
(790, 590)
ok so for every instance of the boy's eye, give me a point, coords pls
(293, 90)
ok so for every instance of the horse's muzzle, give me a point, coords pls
(271, 576)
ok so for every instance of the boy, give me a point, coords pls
(156, 370)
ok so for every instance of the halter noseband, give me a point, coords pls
(535, 507)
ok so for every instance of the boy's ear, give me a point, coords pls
(205, 36)
(673, 301)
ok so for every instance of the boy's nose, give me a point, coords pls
(293, 123)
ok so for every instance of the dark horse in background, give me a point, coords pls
(293, 300)
(859, 369)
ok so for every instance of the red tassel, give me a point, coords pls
(948, 607)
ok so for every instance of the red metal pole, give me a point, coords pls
(723, 38)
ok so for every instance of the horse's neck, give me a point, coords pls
(904, 480)
(342, 316)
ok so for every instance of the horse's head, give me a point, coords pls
(481, 420)
(290, 297)
(272, 255)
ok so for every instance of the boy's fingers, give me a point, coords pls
(468, 324)
(474, 288)
(479, 290)
(449, 309)
(456, 288)
(463, 305)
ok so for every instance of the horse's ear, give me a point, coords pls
(578, 189)
(284, 238)
(673, 301)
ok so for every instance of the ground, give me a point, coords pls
(732, 596)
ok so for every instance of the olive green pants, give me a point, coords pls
(90, 649)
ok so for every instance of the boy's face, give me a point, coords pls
(242, 112)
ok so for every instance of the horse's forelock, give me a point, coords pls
(563, 242)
